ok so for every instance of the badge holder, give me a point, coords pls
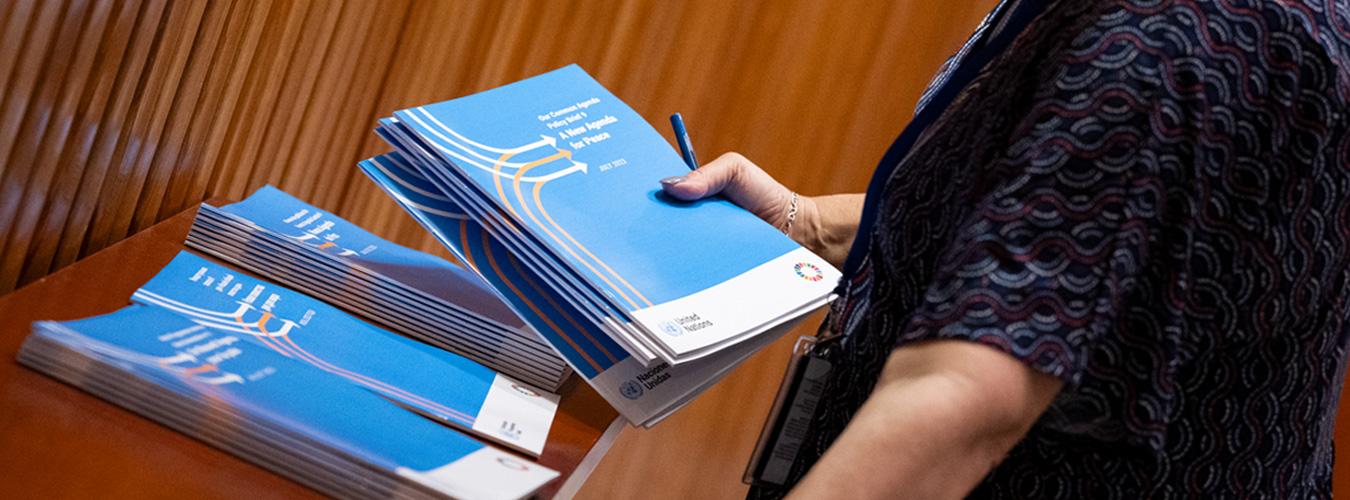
(790, 418)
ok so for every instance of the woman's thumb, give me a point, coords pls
(709, 180)
(695, 185)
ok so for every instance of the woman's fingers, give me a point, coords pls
(737, 178)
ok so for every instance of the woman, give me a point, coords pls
(1107, 259)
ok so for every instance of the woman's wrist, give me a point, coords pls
(826, 225)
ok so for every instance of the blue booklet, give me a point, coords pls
(642, 394)
(410, 292)
(431, 381)
(277, 404)
(570, 172)
(279, 213)
(391, 309)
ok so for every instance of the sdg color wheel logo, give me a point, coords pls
(808, 271)
(631, 389)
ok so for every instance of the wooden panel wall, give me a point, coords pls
(118, 113)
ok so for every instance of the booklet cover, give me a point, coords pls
(431, 381)
(561, 157)
(278, 212)
(254, 235)
(234, 375)
(579, 293)
(642, 394)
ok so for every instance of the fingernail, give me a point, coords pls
(671, 181)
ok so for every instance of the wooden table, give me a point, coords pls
(59, 442)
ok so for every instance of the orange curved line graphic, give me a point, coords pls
(563, 312)
(539, 186)
(201, 369)
(487, 250)
(264, 339)
(497, 181)
(525, 206)
(464, 244)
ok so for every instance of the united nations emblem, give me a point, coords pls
(631, 389)
(672, 329)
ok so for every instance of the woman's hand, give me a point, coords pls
(825, 225)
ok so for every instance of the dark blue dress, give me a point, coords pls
(1149, 200)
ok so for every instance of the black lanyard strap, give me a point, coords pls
(1011, 17)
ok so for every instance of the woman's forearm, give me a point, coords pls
(941, 416)
(828, 224)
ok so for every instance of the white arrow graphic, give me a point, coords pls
(543, 139)
(576, 165)
(227, 378)
(122, 354)
(181, 357)
(163, 301)
(470, 151)
(286, 326)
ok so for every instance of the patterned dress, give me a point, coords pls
(1149, 200)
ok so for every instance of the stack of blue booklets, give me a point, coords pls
(433, 382)
(548, 188)
(425, 297)
(276, 409)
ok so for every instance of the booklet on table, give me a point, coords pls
(281, 412)
(431, 381)
(406, 291)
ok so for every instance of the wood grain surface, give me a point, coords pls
(116, 114)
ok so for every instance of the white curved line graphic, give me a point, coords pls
(544, 140)
(471, 151)
(116, 352)
(149, 295)
(576, 165)
(214, 320)
(379, 164)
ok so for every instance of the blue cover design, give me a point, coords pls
(640, 393)
(280, 213)
(553, 181)
(590, 350)
(429, 380)
(565, 153)
(226, 368)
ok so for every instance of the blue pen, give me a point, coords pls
(682, 138)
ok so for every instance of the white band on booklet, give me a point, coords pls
(726, 312)
(486, 473)
(517, 415)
